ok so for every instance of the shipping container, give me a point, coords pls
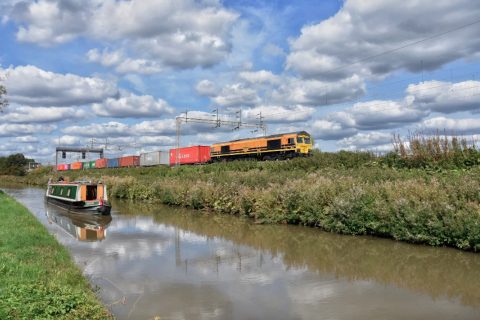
(101, 163)
(129, 161)
(67, 166)
(76, 165)
(61, 167)
(155, 158)
(89, 165)
(112, 163)
(190, 155)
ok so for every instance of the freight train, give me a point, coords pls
(274, 147)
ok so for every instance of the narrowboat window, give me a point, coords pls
(307, 139)
(61, 191)
(299, 140)
(68, 193)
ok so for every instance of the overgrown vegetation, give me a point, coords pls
(14, 165)
(38, 280)
(417, 195)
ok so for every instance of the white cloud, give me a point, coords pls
(101, 130)
(26, 139)
(14, 130)
(318, 93)
(453, 126)
(330, 130)
(123, 64)
(36, 87)
(445, 97)
(130, 105)
(369, 140)
(367, 28)
(206, 88)
(236, 95)
(155, 127)
(181, 34)
(278, 114)
(258, 77)
(25, 114)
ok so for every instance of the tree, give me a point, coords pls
(3, 100)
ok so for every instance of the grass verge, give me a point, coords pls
(38, 280)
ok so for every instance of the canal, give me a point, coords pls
(152, 261)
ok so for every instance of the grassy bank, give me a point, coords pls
(38, 280)
(351, 193)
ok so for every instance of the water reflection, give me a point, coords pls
(182, 264)
(83, 227)
(436, 271)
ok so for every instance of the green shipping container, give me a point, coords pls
(89, 165)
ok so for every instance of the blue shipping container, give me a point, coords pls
(112, 163)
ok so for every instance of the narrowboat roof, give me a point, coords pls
(267, 137)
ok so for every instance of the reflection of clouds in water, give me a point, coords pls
(237, 271)
(311, 293)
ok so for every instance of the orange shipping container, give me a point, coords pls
(129, 161)
(76, 166)
(101, 163)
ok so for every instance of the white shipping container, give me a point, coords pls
(154, 158)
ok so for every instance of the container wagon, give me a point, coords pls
(76, 166)
(101, 163)
(112, 163)
(155, 158)
(129, 161)
(190, 155)
(89, 165)
(63, 167)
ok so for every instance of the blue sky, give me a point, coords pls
(352, 73)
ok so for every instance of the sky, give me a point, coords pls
(352, 73)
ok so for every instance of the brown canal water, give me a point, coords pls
(154, 261)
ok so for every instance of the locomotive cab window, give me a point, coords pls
(307, 139)
(291, 141)
(299, 140)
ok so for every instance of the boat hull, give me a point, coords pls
(80, 206)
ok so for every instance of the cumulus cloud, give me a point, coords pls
(278, 114)
(181, 34)
(330, 130)
(236, 95)
(453, 126)
(15, 130)
(369, 140)
(206, 88)
(445, 97)
(367, 28)
(133, 106)
(25, 114)
(318, 93)
(259, 77)
(26, 139)
(123, 64)
(101, 130)
(36, 87)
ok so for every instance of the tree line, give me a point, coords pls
(15, 164)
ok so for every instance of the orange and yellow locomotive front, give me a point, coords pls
(280, 145)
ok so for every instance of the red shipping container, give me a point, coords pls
(129, 161)
(190, 155)
(101, 163)
(60, 167)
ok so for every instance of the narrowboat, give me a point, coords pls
(79, 196)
